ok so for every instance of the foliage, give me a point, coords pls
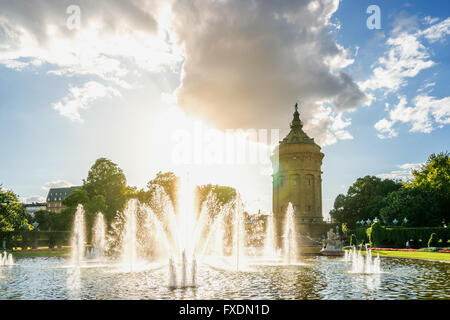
(396, 237)
(344, 228)
(104, 190)
(420, 206)
(223, 194)
(363, 200)
(107, 185)
(54, 221)
(424, 201)
(434, 177)
(373, 233)
(13, 215)
(353, 240)
(433, 241)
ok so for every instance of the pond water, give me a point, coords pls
(314, 278)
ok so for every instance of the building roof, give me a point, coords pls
(297, 135)
(59, 194)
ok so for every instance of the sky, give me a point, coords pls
(166, 86)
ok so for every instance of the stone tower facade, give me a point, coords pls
(297, 179)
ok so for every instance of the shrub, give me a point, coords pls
(353, 240)
(433, 241)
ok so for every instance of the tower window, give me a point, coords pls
(309, 181)
(309, 208)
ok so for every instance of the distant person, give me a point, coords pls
(407, 244)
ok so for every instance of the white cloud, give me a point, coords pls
(426, 111)
(437, 31)
(56, 184)
(385, 128)
(129, 35)
(239, 58)
(403, 174)
(81, 98)
(430, 20)
(248, 62)
(405, 59)
(407, 55)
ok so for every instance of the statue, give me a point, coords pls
(332, 245)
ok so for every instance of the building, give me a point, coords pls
(34, 207)
(297, 179)
(56, 196)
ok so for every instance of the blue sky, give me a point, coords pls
(118, 87)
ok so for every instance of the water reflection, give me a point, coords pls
(316, 278)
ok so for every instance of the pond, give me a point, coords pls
(314, 278)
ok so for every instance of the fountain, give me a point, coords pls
(129, 243)
(172, 274)
(238, 232)
(363, 264)
(6, 259)
(290, 238)
(269, 241)
(78, 237)
(98, 235)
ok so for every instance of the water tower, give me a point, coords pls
(297, 178)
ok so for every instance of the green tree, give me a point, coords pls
(13, 215)
(223, 194)
(363, 200)
(434, 178)
(106, 187)
(168, 181)
(421, 207)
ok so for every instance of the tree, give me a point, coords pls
(13, 215)
(420, 207)
(54, 221)
(106, 187)
(434, 178)
(168, 181)
(364, 200)
(223, 194)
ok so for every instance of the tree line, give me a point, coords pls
(423, 201)
(104, 190)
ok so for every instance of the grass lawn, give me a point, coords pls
(413, 255)
(33, 254)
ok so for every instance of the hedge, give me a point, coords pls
(34, 239)
(396, 237)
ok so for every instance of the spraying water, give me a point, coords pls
(194, 271)
(363, 264)
(172, 274)
(238, 231)
(6, 259)
(290, 236)
(129, 250)
(78, 237)
(269, 242)
(99, 232)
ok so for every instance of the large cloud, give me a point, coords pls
(247, 62)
